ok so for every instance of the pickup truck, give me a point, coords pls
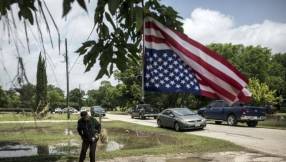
(144, 110)
(219, 111)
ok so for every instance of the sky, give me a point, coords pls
(248, 22)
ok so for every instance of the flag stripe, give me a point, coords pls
(194, 52)
(225, 86)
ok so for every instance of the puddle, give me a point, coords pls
(112, 145)
(17, 151)
(188, 159)
(120, 139)
(139, 139)
(68, 132)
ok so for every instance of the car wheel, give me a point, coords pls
(218, 122)
(231, 120)
(252, 123)
(177, 127)
(159, 123)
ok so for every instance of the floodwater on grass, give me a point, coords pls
(118, 139)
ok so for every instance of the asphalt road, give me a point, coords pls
(269, 141)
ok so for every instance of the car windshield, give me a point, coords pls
(183, 112)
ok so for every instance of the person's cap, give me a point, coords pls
(83, 113)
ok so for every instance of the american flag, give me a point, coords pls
(175, 63)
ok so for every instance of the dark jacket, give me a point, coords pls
(88, 128)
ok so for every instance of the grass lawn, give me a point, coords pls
(140, 140)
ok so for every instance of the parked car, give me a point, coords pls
(144, 110)
(219, 111)
(97, 111)
(58, 110)
(71, 110)
(83, 109)
(180, 119)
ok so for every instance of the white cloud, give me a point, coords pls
(206, 26)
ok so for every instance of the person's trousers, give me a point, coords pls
(92, 148)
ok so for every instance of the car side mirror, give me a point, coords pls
(208, 106)
(171, 115)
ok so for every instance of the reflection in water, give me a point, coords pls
(112, 145)
(18, 151)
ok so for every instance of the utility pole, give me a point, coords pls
(67, 70)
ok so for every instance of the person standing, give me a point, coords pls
(89, 129)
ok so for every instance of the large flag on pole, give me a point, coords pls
(174, 62)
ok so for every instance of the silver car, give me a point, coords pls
(180, 119)
(97, 111)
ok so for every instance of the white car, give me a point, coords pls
(83, 109)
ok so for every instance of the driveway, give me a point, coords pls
(268, 141)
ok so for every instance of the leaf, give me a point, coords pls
(112, 6)
(100, 74)
(82, 4)
(108, 17)
(139, 18)
(66, 7)
(105, 31)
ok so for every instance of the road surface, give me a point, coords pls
(269, 141)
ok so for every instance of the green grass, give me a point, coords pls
(141, 140)
(9, 116)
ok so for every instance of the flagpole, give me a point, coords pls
(143, 50)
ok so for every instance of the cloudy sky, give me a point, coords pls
(255, 22)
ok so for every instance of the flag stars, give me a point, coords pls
(177, 78)
(161, 75)
(166, 71)
(197, 88)
(170, 59)
(175, 62)
(165, 55)
(147, 84)
(160, 67)
(183, 81)
(188, 86)
(176, 70)
(160, 60)
(155, 55)
(167, 86)
(165, 63)
(147, 76)
(162, 81)
(167, 79)
(178, 86)
(157, 85)
(181, 74)
(171, 66)
(155, 63)
(172, 82)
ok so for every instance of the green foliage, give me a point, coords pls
(76, 96)
(261, 95)
(3, 98)
(27, 93)
(41, 87)
(113, 46)
(54, 98)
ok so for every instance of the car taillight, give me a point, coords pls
(243, 111)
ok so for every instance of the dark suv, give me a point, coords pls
(97, 111)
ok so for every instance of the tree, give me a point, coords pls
(76, 95)
(27, 92)
(41, 87)
(3, 98)
(54, 98)
(261, 95)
